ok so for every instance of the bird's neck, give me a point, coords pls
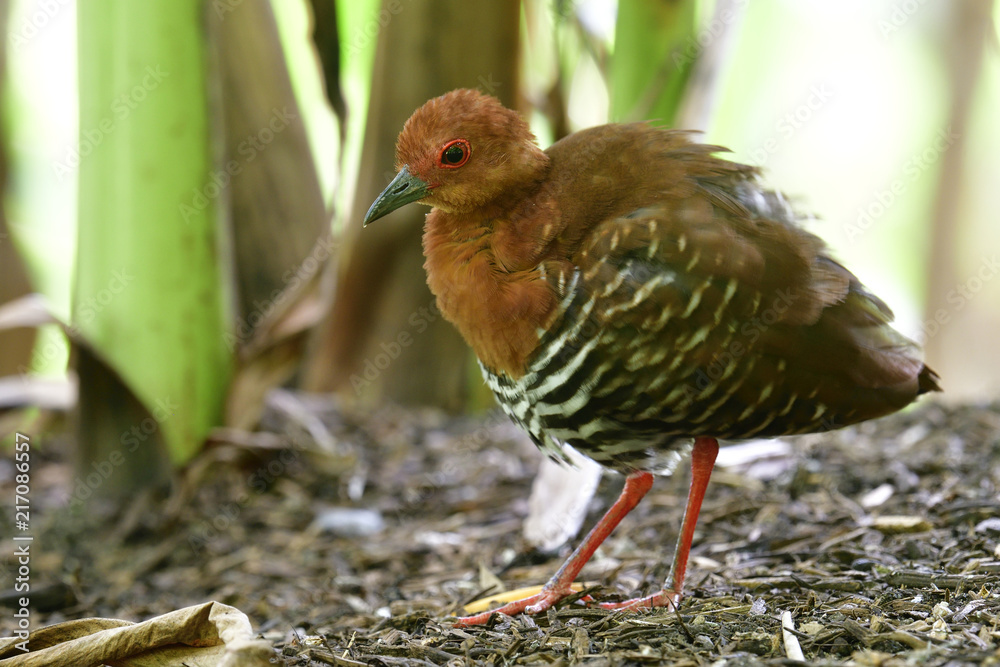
(483, 268)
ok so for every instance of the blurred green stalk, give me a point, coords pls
(655, 50)
(152, 292)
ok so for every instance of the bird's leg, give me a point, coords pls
(702, 461)
(637, 485)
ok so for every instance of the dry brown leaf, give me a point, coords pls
(207, 635)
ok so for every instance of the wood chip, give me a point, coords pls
(792, 648)
(894, 524)
(878, 496)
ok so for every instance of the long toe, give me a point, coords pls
(665, 598)
(533, 604)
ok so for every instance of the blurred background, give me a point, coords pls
(185, 181)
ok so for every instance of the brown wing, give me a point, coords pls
(728, 318)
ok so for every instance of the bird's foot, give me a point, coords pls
(533, 604)
(665, 598)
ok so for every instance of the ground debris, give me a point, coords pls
(359, 552)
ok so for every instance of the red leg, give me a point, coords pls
(702, 461)
(637, 485)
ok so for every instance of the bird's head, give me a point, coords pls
(458, 153)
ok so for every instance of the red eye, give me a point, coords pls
(455, 154)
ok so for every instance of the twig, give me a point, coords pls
(902, 637)
(792, 648)
(928, 579)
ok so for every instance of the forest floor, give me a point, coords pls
(355, 547)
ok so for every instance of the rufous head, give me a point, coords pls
(459, 152)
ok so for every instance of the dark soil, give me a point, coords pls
(883, 541)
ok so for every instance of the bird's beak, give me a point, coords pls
(405, 188)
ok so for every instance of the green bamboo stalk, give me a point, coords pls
(655, 51)
(151, 295)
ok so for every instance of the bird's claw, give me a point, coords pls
(533, 604)
(542, 601)
(665, 598)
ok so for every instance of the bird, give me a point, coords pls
(630, 293)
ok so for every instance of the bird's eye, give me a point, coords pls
(455, 154)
